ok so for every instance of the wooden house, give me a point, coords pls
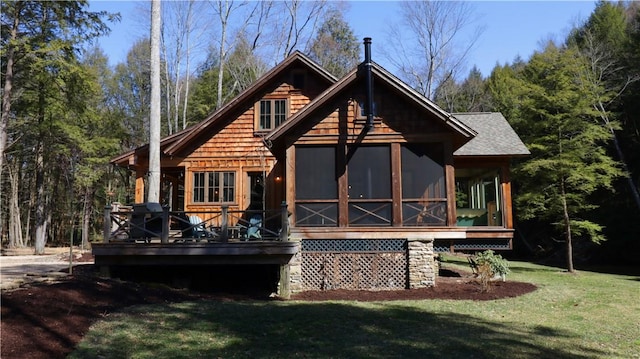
(366, 179)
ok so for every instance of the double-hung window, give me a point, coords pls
(214, 187)
(271, 113)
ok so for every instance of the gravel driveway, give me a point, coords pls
(18, 270)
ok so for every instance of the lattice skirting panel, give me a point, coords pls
(354, 264)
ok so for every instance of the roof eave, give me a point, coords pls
(120, 159)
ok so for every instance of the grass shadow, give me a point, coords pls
(318, 330)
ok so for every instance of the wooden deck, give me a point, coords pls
(148, 236)
(194, 253)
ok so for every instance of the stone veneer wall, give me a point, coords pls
(421, 263)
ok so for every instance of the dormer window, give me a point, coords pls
(362, 110)
(271, 113)
(299, 79)
(361, 107)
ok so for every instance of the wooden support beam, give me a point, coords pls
(507, 209)
(139, 195)
(396, 178)
(284, 288)
(450, 182)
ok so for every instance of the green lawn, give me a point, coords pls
(588, 315)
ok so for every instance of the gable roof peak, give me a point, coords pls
(258, 86)
(383, 76)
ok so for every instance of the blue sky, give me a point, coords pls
(512, 28)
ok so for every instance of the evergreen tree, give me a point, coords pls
(130, 92)
(97, 142)
(474, 93)
(335, 47)
(569, 159)
(509, 94)
(469, 96)
(47, 88)
(602, 41)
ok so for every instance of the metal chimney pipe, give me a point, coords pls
(368, 82)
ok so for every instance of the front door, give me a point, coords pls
(256, 191)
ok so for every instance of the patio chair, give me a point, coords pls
(199, 229)
(255, 223)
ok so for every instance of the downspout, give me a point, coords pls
(368, 82)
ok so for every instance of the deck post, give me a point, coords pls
(106, 227)
(284, 231)
(224, 226)
(164, 235)
(284, 285)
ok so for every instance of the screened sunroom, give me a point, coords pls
(478, 197)
(366, 182)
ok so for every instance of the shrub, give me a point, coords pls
(490, 265)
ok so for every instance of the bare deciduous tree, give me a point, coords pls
(292, 25)
(183, 28)
(606, 80)
(427, 46)
(224, 10)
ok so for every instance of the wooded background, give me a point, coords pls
(66, 111)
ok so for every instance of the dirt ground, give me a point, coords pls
(48, 319)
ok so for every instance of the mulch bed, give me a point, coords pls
(48, 320)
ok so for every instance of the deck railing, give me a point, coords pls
(145, 224)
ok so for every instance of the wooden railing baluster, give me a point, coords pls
(224, 228)
(284, 226)
(107, 224)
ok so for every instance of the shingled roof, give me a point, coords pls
(495, 136)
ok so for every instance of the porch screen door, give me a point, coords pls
(424, 194)
(369, 177)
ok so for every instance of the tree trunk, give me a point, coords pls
(86, 217)
(40, 239)
(28, 227)
(188, 70)
(16, 240)
(167, 89)
(6, 107)
(224, 18)
(154, 117)
(40, 221)
(567, 229)
(8, 85)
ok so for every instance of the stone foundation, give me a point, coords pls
(295, 270)
(421, 263)
(294, 274)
